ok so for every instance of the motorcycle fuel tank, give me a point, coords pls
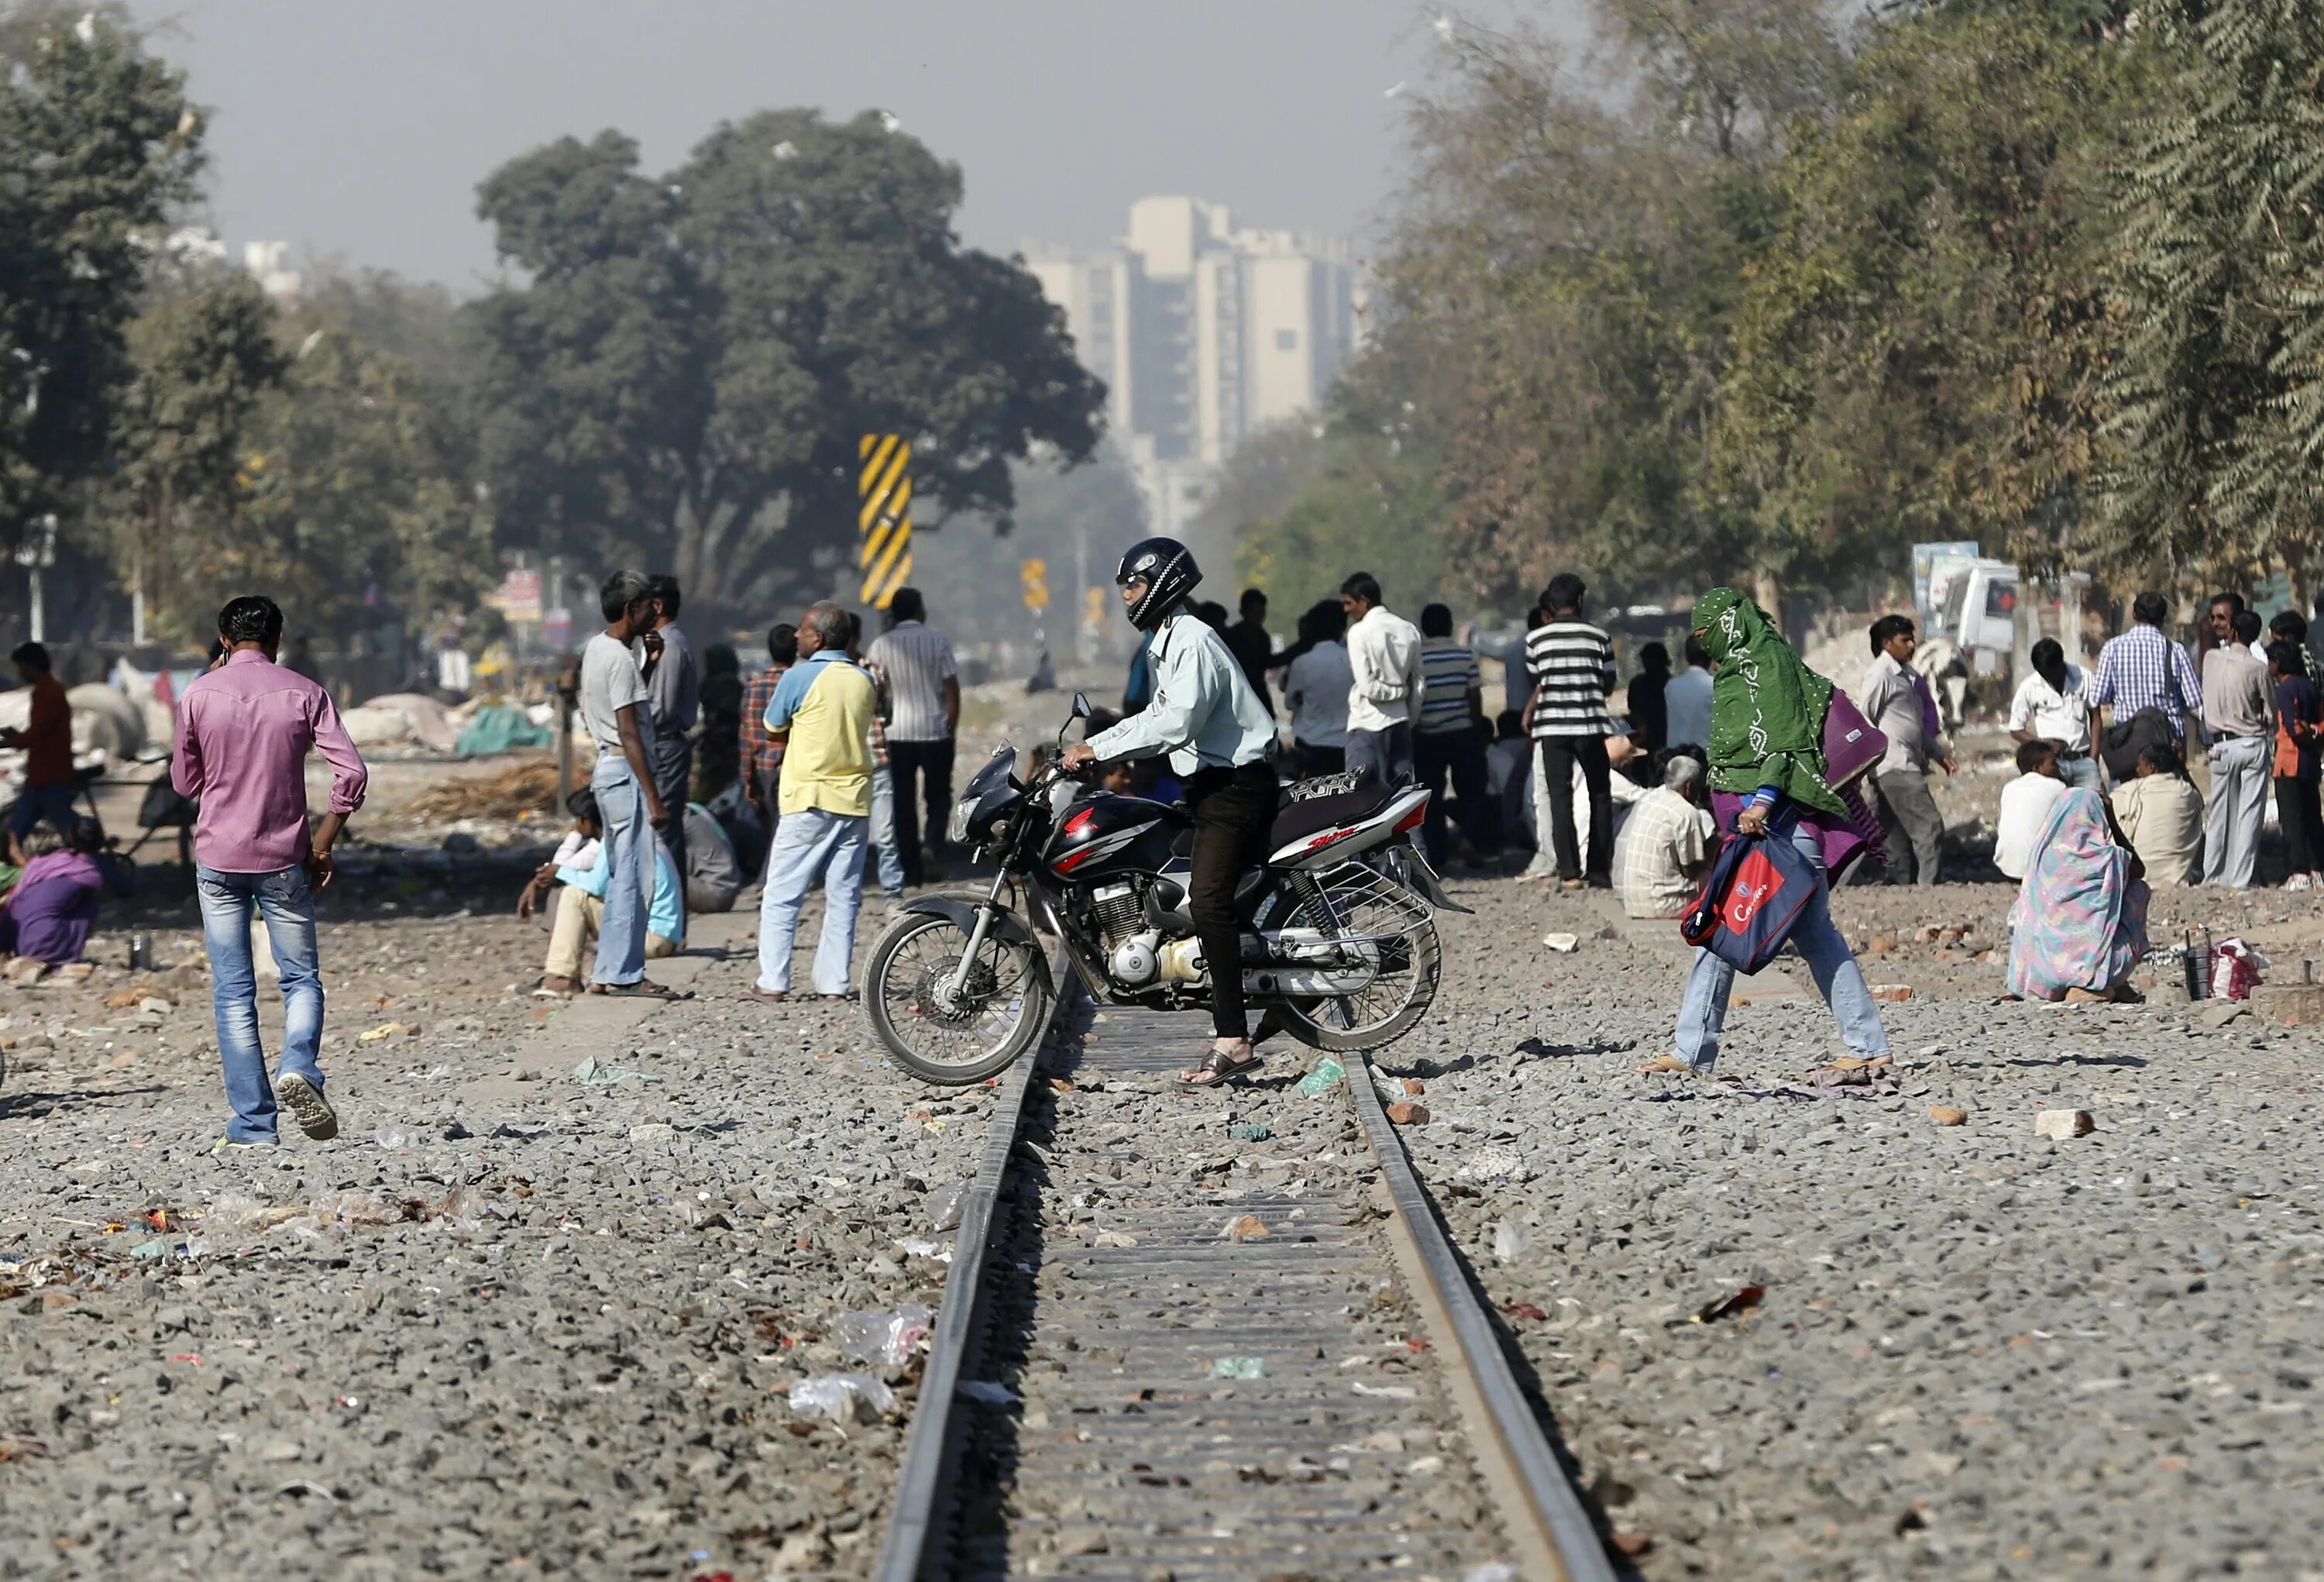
(1105, 833)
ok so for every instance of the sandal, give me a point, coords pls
(1219, 1067)
(644, 989)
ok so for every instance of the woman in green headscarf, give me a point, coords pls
(1767, 778)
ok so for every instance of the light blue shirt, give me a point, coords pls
(1203, 714)
(664, 916)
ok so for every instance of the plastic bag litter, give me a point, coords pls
(922, 1247)
(1323, 1079)
(359, 1207)
(842, 1397)
(1497, 1571)
(234, 1215)
(883, 1338)
(943, 1205)
(1509, 1241)
(1239, 1367)
(462, 1209)
(985, 1393)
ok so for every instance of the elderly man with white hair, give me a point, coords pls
(1665, 844)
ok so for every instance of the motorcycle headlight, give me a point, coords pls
(956, 828)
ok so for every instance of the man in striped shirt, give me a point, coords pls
(1445, 739)
(924, 694)
(1571, 663)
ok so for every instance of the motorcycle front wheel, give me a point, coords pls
(997, 1018)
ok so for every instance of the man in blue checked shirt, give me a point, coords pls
(2143, 670)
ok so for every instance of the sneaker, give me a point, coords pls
(225, 1145)
(2298, 882)
(308, 1107)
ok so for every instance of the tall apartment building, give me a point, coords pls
(1202, 333)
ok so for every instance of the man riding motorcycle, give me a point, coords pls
(1219, 737)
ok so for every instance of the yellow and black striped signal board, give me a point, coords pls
(883, 518)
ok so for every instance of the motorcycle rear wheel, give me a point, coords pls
(1005, 1010)
(1354, 1025)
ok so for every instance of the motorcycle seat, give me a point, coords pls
(1316, 814)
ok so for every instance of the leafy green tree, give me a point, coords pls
(686, 372)
(2219, 390)
(98, 144)
(1918, 351)
(203, 363)
(362, 495)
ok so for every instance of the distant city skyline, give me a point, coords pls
(358, 133)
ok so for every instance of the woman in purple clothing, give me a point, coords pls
(48, 914)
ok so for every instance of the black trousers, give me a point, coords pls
(2297, 810)
(931, 763)
(1559, 754)
(1233, 810)
(1462, 754)
(672, 758)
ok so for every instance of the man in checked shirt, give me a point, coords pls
(762, 754)
(2142, 672)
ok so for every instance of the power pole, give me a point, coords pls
(36, 554)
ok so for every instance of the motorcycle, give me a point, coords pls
(1338, 926)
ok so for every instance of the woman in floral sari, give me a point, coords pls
(2079, 924)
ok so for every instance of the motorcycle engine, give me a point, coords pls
(1130, 945)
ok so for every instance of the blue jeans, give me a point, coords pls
(809, 842)
(288, 906)
(629, 885)
(52, 802)
(1703, 1014)
(2080, 772)
(883, 832)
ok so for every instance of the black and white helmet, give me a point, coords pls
(1170, 573)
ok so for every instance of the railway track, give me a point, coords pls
(1214, 1335)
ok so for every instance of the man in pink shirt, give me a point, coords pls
(244, 733)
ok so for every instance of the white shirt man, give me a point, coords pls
(2026, 803)
(1384, 686)
(2054, 705)
(1316, 690)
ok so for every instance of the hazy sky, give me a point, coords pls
(360, 129)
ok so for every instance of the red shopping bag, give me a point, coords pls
(1748, 907)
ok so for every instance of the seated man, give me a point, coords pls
(47, 915)
(580, 870)
(2161, 814)
(1508, 777)
(2026, 804)
(1665, 844)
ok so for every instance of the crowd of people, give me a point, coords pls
(834, 765)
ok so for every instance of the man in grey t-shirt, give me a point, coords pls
(615, 708)
(673, 692)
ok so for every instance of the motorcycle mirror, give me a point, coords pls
(1081, 706)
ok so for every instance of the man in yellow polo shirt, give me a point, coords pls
(822, 713)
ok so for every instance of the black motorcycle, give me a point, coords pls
(1338, 930)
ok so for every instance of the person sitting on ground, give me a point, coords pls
(580, 872)
(2026, 804)
(1663, 847)
(2079, 926)
(47, 915)
(1508, 779)
(2160, 813)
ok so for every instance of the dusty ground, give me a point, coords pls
(1978, 1353)
(576, 1361)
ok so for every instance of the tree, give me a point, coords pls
(685, 375)
(203, 362)
(98, 144)
(2219, 391)
(1918, 351)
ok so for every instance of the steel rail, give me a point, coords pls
(922, 1479)
(1545, 1516)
